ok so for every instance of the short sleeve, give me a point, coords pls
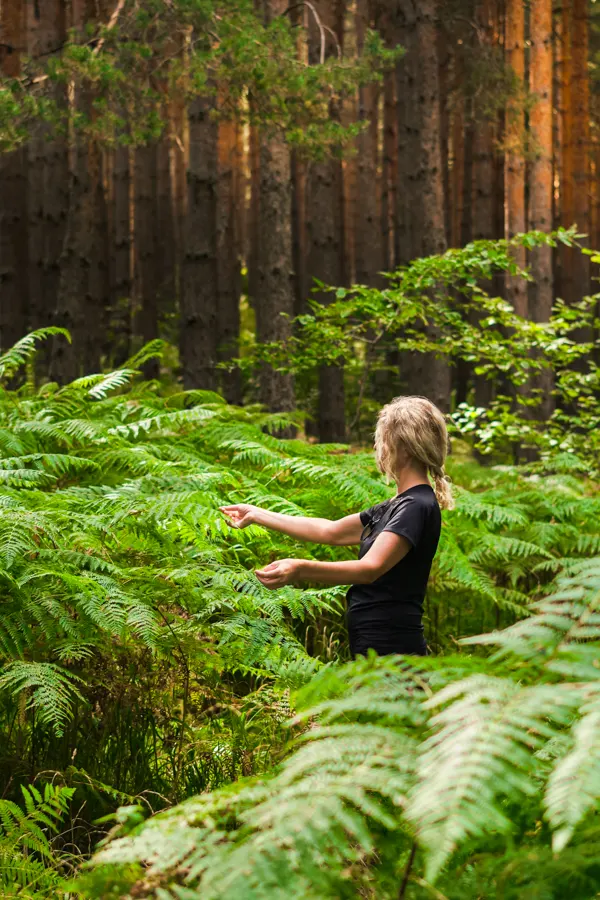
(366, 516)
(408, 520)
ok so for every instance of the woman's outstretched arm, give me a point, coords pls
(320, 531)
(387, 550)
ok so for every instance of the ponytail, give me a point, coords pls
(443, 490)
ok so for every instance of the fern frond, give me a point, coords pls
(53, 690)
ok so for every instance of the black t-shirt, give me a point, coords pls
(397, 596)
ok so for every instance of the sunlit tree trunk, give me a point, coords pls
(515, 162)
(567, 207)
(540, 180)
(199, 318)
(580, 137)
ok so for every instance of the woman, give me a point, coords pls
(398, 538)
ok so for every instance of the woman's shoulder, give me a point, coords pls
(421, 496)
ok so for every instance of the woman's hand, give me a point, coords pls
(279, 573)
(240, 515)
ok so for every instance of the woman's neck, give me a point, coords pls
(410, 477)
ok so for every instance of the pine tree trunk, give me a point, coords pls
(324, 217)
(540, 189)
(389, 171)
(427, 374)
(580, 96)
(567, 206)
(402, 248)
(458, 170)
(228, 254)
(274, 283)
(13, 181)
(37, 44)
(483, 201)
(146, 248)
(252, 233)
(274, 277)
(75, 257)
(368, 246)
(167, 248)
(515, 162)
(199, 316)
(98, 294)
(299, 232)
(444, 68)
(122, 268)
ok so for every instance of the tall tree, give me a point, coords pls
(389, 171)
(82, 294)
(515, 161)
(540, 179)
(229, 200)
(199, 317)
(98, 290)
(121, 257)
(580, 137)
(426, 374)
(13, 205)
(324, 225)
(146, 247)
(55, 169)
(368, 245)
(274, 278)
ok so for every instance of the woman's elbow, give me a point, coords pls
(369, 574)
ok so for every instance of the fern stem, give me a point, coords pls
(409, 865)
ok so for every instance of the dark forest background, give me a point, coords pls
(191, 170)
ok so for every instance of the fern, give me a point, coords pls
(439, 753)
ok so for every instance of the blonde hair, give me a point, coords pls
(415, 425)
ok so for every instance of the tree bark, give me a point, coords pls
(368, 245)
(252, 233)
(275, 286)
(427, 374)
(146, 248)
(580, 138)
(13, 181)
(540, 181)
(122, 239)
(389, 171)
(324, 217)
(165, 224)
(567, 207)
(275, 289)
(75, 258)
(199, 317)
(228, 254)
(515, 162)
(457, 180)
(98, 293)
(48, 179)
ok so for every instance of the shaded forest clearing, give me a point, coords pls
(231, 232)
